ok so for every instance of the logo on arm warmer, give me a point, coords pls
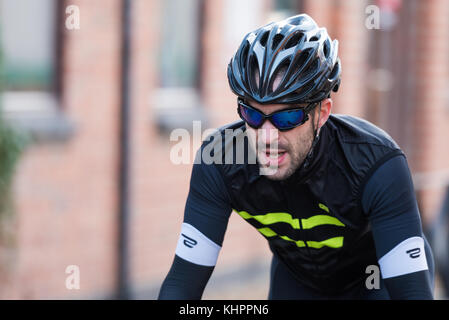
(195, 247)
(407, 257)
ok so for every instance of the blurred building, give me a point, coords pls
(63, 86)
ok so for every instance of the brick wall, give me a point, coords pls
(66, 194)
(429, 152)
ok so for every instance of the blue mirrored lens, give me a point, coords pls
(252, 117)
(288, 119)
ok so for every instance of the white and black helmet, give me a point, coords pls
(286, 62)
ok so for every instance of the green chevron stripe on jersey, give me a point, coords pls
(308, 223)
(336, 242)
(275, 217)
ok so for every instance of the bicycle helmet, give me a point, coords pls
(287, 62)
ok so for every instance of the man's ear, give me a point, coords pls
(325, 111)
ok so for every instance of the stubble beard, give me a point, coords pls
(297, 154)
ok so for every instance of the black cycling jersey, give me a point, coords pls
(350, 204)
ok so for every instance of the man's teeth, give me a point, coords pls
(275, 155)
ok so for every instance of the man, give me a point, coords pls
(332, 194)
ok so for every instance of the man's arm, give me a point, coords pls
(206, 217)
(404, 256)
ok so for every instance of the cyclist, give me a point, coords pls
(337, 198)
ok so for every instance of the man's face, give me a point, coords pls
(292, 145)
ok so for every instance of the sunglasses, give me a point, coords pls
(283, 120)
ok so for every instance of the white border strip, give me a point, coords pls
(407, 257)
(195, 247)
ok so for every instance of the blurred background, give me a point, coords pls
(88, 105)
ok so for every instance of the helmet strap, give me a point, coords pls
(316, 131)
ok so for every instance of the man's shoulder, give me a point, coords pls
(361, 144)
(355, 130)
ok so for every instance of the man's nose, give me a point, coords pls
(268, 133)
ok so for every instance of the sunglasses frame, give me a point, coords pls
(305, 109)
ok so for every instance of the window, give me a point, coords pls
(29, 62)
(180, 44)
(28, 43)
(177, 99)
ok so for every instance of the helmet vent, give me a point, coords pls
(334, 71)
(326, 49)
(314, 38)
(312, 68)
(279, 75)
(264, 38)
(294, 40)
(244, 55)
(301, 60)
(276, 40)
(254, 73)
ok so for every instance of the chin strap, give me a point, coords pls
(316, 132)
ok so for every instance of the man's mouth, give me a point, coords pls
(274, 154)
(273, 158)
